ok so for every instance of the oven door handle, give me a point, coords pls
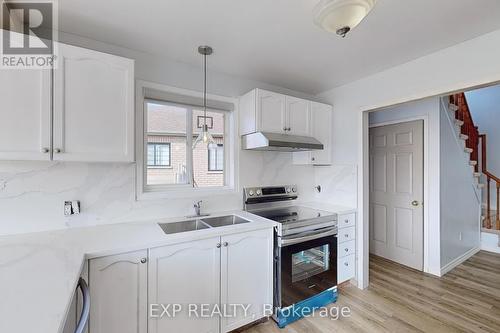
(282, 242)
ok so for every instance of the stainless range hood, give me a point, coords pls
(279, 142)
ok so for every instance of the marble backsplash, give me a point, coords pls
(32, 194)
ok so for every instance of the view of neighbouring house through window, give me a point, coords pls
(169, 142)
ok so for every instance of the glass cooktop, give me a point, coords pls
(291, 214)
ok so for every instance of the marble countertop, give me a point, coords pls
(39, 271)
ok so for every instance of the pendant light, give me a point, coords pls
(341, 16)
(205, 137)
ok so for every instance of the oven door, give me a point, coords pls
(307, 266)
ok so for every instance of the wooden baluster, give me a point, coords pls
(488, 203)
(498, 205)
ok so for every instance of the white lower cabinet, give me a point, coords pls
(136, 292)
(346, 247)
(187, 273)
(220, 272)
(118, 293)
(246, 276)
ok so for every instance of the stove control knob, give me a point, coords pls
(294, 189)
(259, 192)
(288, 190)
(251, 193)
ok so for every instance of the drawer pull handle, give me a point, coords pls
(346, 249)
(346, 221)
(346, 235)
(346, 264)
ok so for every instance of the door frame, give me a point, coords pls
(426, 217)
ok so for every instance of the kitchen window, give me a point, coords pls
(216, 158)
(169, 165)
(158, 155)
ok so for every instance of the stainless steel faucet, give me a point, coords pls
(197, 209)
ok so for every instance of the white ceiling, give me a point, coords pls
(275, 41)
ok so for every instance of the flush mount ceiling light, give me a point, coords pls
(341, 16)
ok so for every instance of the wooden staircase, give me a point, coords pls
(475, 145)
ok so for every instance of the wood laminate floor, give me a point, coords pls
(400, 299)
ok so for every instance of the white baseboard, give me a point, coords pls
(459, 260)
(490, 242)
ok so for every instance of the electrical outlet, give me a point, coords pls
(71, 208)
(75, 207)
(67, 208)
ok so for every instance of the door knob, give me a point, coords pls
(45, 150)
(57, 150)
(414, 203)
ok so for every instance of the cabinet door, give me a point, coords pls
(25, 114)
(246, 276)
(322, 131)
(93, 106)
(271, 112)
(299, 116)
(118, 293)
(184, 274)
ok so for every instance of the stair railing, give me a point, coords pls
(489, 178)
(473, 138)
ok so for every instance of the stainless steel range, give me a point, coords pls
(305, 250)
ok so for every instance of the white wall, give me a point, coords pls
(484, 105)
(32, 193)
(460, 204)
(429, 110)
(472, 63)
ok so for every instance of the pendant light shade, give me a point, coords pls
(204, 137)
(341, 16)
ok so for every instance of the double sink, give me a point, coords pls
(201, 223)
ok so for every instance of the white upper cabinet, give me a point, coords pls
(266, 111)
(86, 106)
(93, 106)
(272, 112)
(25, 114)
(321, 129)
(299, 116)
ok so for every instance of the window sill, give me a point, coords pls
(180, 192)
(153, 167)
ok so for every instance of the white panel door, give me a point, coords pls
(396, 193)
(94, 106)
(246, 276)
(25, 114)
(271, 111)
(187, 273)
(118, 293)
(299, 116)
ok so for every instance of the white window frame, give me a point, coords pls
(231, 148)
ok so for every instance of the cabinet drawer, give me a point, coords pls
(346, 268)
(346, 234)
(348, 220)
(346, 248)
